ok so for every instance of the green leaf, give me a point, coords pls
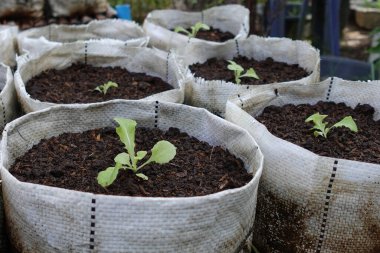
(375, 31)
(140, 175)
(347, 122)
(162, 152)
(99, 88)
(108, 85)
(374, 49)
(126, 132)
(140, 155)
(317, 119)
(181, 29)
(234, 66)
(199, 25)
(108, 176)
(251, 73)
(123, 158)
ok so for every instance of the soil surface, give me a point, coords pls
(268, 70)
(213, 34)
(73, 161)
(76, 84)
(288, 122)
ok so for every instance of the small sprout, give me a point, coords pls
(104, 87)
(194, 29)
(162, 152)
(238, 70)
(321, 128)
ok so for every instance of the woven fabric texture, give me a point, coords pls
(213, 94)
(38, 40)
(316, 204)
(71, 7)
(33, 8)
(102, 53)
(7, 41)
(158, 25)
(50, 219)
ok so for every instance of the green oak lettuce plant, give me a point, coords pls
(161, 153)
(238, 70)
(194, 29)
(320, 128)
(104, 87)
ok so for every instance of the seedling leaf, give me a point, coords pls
(104, 87)
(181, 29)
(251, 73)
(108, 176)
(347, 122)
(123, 158)
(163, 152)
(140, 175)
(126, 131)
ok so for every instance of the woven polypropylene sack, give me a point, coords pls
(7, 45)
(307, 202)
(31, 8)
(38, 40)
(50, 219)
(213, 94)
(100, 53)
(77, 7)
(8, 111)
(227, 18)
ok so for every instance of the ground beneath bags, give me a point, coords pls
(268, 70)
(76, 84)
(288, 122)
(72, 161)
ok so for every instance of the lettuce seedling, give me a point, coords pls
(238, 70)
(162, 152)
(321, 128)
(194, 29)
(104, 87)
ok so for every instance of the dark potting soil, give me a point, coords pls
(72, 161)
(213, 34)
(76, 84)
(269, 71)
(288, 122)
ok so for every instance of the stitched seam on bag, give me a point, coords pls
(167, 67)
(85, 52)
(92, 225)
(241, 101)
(202, 17)
(4, 117)
(329, 90)
(237, 47)
(322, 230)
(156, 115)
(245, 28)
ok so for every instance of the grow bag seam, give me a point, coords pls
(92, 224)
(237, 47)
(329, 89)
(3, 109)
(156, 115)
(85, 52)
(326, 207)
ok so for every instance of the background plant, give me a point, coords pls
(161, 153)
(194, 29)
(104, 87)
(321, 128)
(238, 70)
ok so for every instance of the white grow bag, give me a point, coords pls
(38, 40)
(316, 203)
(7, 45)
(50, 219)
(227, 18)
(213, 94)
(101, 53)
